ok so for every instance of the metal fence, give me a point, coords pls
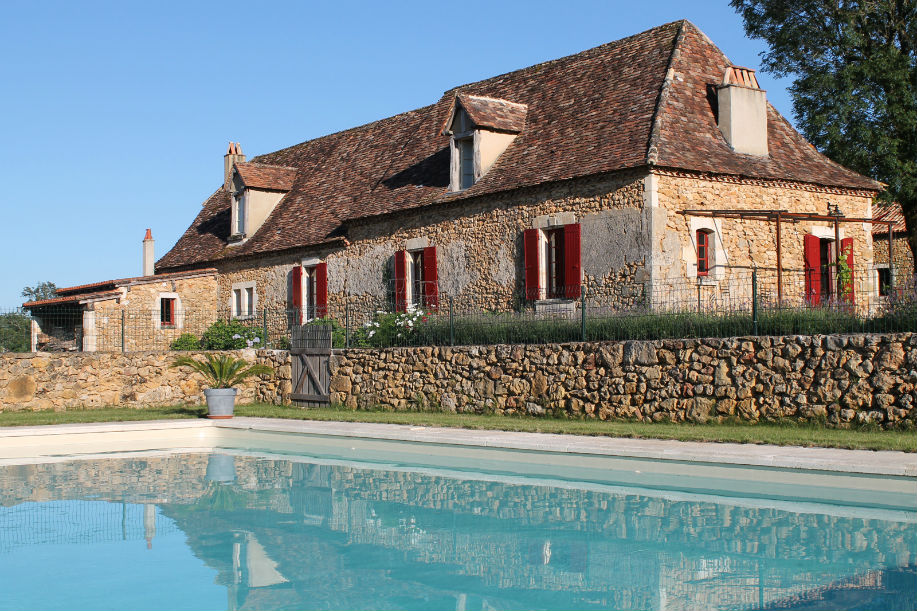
(741, 303)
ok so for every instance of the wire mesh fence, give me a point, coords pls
(742, 303)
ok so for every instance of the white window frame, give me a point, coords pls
(464, 132)
(717, 257)
(239, 202)
(247, 299)
(179, 312)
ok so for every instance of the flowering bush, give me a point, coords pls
(231, 335)
(392, 329)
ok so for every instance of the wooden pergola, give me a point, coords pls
(778, 217)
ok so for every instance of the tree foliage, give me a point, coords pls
(854, 65)
(42, 290)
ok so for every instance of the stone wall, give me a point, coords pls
(60, 381)
(479, 249)
(740, 245)
(840, 379)
(901, 253)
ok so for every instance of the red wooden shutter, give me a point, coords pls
(401, 292)
(573, 271)
(812, 251)
(430, 278)
(296, 290)
(321, 290)
(847, 289)
(532, 271)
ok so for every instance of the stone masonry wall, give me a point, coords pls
(479, 249)
(841, 379)
(59, 381)
(901, 253)
(740, 245)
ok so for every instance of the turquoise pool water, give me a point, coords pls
(345, 529)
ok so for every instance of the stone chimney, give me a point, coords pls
(742, 108)
(233, 155)
(149, 261)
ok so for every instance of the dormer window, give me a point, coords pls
(481, 129)
(238, 209)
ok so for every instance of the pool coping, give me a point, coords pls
(867, 462)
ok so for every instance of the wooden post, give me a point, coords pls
(779, 265)
(891, 263)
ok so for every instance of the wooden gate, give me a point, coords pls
(310, 351)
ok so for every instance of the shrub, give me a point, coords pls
(231, 335)
(186, 341)
(224, 371)
(15, 333)
(394, 329)
(338, 333)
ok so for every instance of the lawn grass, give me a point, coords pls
(776, 434)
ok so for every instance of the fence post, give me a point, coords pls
(754, 299)
(264, 324)
(347, 324)
(582, 309)
(451, 323)
(123, 347)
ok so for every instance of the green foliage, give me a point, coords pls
(338, 333)
(222, 371)
(42, 290)
(396, 329)
(186, 341)
(231, 335)
(854, 92)
(281, 343)
(15, 333)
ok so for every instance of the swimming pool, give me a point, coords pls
(274, 521)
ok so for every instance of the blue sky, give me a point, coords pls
(114, 117)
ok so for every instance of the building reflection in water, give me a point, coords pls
(283, 533)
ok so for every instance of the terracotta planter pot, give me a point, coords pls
(220, 402)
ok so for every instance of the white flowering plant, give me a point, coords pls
(393, 328)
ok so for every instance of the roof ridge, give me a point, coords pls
(652, 145)
(584, 52)
(266, 165)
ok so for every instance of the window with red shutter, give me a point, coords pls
(703, 252)
(296, 292)
(573, 273)
(320, 284)
(167, 312)
(812, 253)
(430, 279)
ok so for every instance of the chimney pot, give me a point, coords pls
(742, 111)
(149, 260)
(233, 156)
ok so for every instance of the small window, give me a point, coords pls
(309, 290)
(554, 263)
(885, 281)
(415, 259)
(240, 212)
(243, 300)
(703, 252)
(466, 162)
(167, 312)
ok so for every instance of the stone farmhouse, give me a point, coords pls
(643, 164)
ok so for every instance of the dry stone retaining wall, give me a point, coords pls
(839, 379)
(136, 379)
(842, 380)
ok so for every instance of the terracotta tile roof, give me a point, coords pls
(73, 294)
(497, 114)
(261, 176)
(631, 103)
(888, 212)
(71, 299)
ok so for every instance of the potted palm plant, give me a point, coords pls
(222, 373)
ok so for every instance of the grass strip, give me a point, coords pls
(789, 434)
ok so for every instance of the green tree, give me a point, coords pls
(854, 65)
(42, 290)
